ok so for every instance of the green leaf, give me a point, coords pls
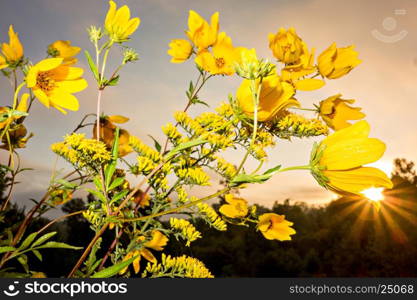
(111, 168)
(99, 195)
(28, 241)
(66, 184)
(43, 239)
(118, 181)
(113, 270)
(157, 145)
(7, 249)
(97, 182)
(58, 245)
(184, 146)
(92, 65)
(119, 196)
(23, 260)
(113, 81)
(272, 170)
(247, 178)
(37, 254)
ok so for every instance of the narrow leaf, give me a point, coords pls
(7, 249)
(28, 241)
(113, 270)
(92, 65)
(184, 146)
(58, 245)
(43, 238)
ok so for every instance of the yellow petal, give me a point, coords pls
(357, 180)
(23, 104)
(110, 15)
(72, 86)
(31, 77)
(49, 64)
(309, 84)
(64, 100)
(148, 255)
(117, 119)
(358, 130)
(42, 97)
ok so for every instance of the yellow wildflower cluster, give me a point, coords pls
(209, 126)
(298, 126)
(144, 150)
(172, 133)
(182, 266)
(225, 168)
(185, 229)
(82, 152)
(212, 216)
(194, 176)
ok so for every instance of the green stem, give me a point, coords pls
(307, 167)
(178, 208)
(255, 94)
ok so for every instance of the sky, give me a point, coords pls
(384, 85)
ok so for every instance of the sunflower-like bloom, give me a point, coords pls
(118, 24)
(201, 33)
(64, 50)
(275, 96)
(222, 58)
(180, 50)
(53, 83)
(108, 133)
(335, 62)
(12, 52)
(275, 227)
(335, 111)
(337, 162)
(286, 45)
(236, 207)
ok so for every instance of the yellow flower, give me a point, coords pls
(180, 50)
(222, 59)
(335, 62)
(275, 96)
(13, 51)
(158, 241)
(337, 162)
(64, 50)
(237, 207)
(53, 83)
(304, 66)
(108, 134)
(21, 109)
(200, 32)
(275, 227)
(286, 45)
(335, 111)
(118, 24)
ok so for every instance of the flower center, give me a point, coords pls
(220, 62)
(45, 82)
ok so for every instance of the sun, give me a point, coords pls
(374, 194)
